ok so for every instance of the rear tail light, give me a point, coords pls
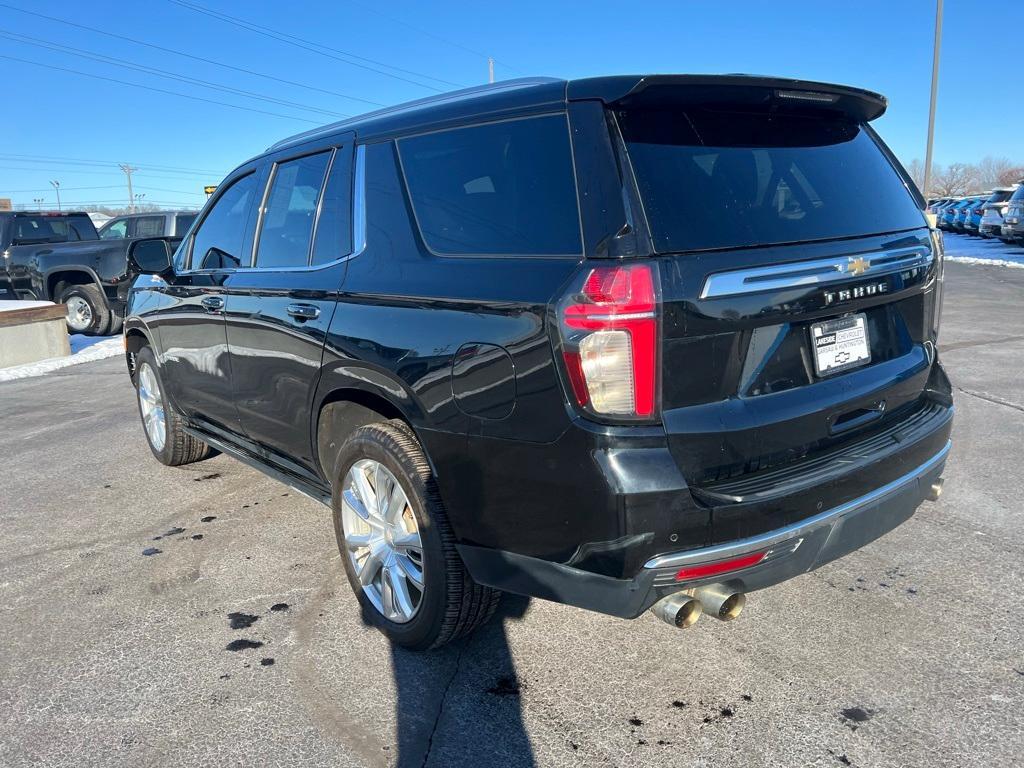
(723, 566)
(609, 334)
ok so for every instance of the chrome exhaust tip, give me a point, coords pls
(679, 610)
(720, 601)
(935, 490)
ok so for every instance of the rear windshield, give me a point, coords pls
(1001, 196)
(722, 179)
(1018, 194)
(30, 229)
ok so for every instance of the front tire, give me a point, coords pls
(396, 544)
(87, 310)
(163, 428)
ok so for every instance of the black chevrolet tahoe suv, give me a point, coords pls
(622, 343)
(59, 257)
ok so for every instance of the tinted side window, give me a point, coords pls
(220, 239)
(182, 223)
(116, 230)
(500, 188)
(39, 229)
(149, 226)
(334, 227)
(287, 228)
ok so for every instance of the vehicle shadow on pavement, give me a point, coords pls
(460, 705)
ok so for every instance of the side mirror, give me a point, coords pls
(150, 256)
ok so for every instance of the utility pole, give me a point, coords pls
(56, 186)
(490, 69)
(128, 172)
(935, 89)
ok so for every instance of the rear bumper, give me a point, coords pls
(790, 551)
(1012, 230)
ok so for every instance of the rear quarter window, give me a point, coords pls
(504, 188)
(726, 179)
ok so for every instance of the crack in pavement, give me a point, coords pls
(992, 399)
(444, 698)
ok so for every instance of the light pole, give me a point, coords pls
(138, 200)
(56, 186)
(39, 202)
(935, 89)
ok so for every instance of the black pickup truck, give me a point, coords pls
(59, 257)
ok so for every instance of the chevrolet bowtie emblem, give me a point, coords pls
(858, 266)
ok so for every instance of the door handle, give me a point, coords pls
(212, 303)
(304, 311)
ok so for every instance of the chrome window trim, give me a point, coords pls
(358, 221)
(776, 277)
(827, 518)
(358, 227)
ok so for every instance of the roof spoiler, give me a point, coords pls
(729, 90)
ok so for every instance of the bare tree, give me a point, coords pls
(954, 180)
(992, 170)
(916, 171)
(1010, 176)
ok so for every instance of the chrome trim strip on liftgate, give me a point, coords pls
(826, 518)
(817, 272)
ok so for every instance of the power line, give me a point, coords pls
(192, 56)
(434, 35)
(84, 161)
(159, 90)
(82, 53)
(119, 201)
(63, 171)
(309, 45)
(66, 189)
(175, 191)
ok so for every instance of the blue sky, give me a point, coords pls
(180, 144)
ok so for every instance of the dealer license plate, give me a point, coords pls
(840, 344)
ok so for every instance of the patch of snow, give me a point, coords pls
(9, 306)
(88, 350)
(986, 262)
(987, 252)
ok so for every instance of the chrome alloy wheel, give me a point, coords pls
(152, 407)
(79, 313)
(382, 540)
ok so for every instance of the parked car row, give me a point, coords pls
(997, 213)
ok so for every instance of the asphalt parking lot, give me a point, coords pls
(200, 616)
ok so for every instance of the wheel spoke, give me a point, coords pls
(408, 541)
(349, 498)
(383, 488)
(356, 541)
(401, 600)
(410, 571)
(364, 490)
(371, 565)
(396, 505)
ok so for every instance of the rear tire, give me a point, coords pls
(163, 428)
(87, 309)
(449, 603)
